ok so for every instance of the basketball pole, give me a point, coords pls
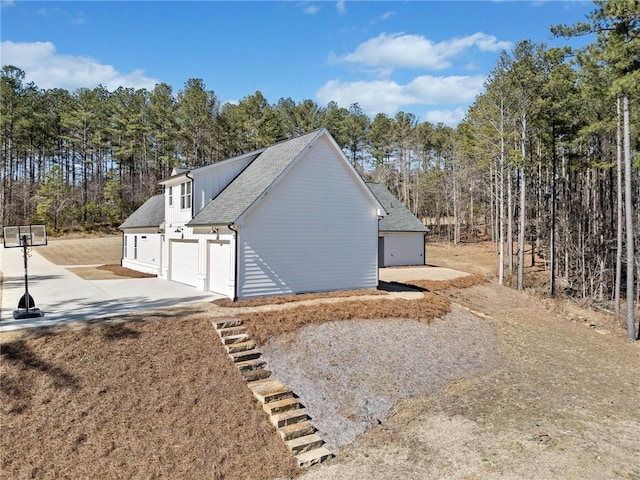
(26, 300)
(26, 273)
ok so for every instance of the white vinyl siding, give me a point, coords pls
(142, 252)
(403, 248)
(212, 179)
(316, 230)
(184, 261)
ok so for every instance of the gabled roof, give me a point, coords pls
(399, 218)
(150, 214)
(182, 173)
(253, 181)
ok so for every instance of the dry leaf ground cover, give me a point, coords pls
(155, 398)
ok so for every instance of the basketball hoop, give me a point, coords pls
(25, 236)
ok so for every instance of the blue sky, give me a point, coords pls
(429, 58)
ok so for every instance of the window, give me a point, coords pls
(135, 247)
(185, 195)
(125, 246)
(170, 196)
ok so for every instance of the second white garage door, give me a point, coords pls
(219, 267)
(184, 262)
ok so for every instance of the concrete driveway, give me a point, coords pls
(64, 297)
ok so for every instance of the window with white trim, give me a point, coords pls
(170, 196)
(135, 247)
(125, 245)
(185, 195)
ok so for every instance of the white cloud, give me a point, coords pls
(48, 69)
(310, 9)
(340, 5)
(389, 97)
(74, 17)
(416, 51)
(382, 18)
(448, 117)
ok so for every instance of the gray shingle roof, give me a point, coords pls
(252, 182)
(398, 218)
(150, 214)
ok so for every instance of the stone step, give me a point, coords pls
(295, 430)
(313, 457)
(304, 444)
(226, 323)
(228, 331)
(232, 339)
(253, 375)
(267, 391)
(287, 418)
(280, 406)
(255, 364)
(240, 346)
(245, 355)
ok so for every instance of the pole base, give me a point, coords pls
(22, 313)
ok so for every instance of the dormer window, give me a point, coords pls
(185, 195)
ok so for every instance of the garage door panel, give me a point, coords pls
(219, 267)
(184, 262)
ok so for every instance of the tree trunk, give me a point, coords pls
(523, 203)
(501, 203)
(619, 211)
(510, 220)
(628, 203)
(554, 168)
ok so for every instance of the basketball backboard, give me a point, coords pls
(21, 235)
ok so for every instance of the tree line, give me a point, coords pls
(545, 162)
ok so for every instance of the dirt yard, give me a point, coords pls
(504, 386)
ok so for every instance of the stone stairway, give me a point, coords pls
(285, 411)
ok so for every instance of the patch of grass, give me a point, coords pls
(125, 272)
(442, 285)
(108, 272)
(83, 251)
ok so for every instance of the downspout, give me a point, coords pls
(237, 260)
(424, 248)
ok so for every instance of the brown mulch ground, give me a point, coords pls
(157, 398)
(282, 299)
(108, 272)
(263, 325)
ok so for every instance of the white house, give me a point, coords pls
(401, 239)
(290, 218)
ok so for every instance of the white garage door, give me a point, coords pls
(184, 262)
(219, 267)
